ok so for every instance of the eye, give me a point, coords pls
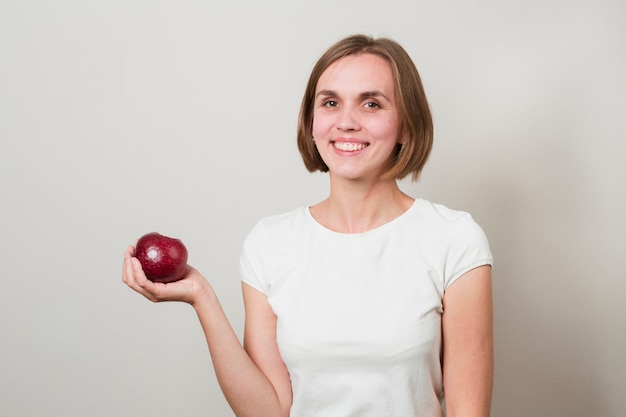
(371, 105)
(330, 103)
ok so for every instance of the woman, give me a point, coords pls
(371, 302)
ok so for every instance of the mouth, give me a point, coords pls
(350, 146)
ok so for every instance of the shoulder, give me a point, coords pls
(280, 223)
(455, 229)
(464, 243)
(269, 243)
(441, 217)
(287, 219)
(279, 228)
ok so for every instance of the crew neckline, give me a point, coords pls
(375, 230)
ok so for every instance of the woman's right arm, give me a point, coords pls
(254, 379)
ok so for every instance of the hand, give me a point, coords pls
(187, 290)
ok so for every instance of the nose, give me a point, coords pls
(348, 119)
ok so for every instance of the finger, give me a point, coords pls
(141, 282)
(127, 255)
(135, 278)
(137, 270)
(126, 271)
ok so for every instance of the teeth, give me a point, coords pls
(349, 146)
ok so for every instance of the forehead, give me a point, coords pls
(361, 72)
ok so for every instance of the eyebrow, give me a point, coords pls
(363, 95)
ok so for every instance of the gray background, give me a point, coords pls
(122, 117)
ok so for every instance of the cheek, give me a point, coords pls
(321, 124)
(388, 129)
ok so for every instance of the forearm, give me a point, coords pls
(248, 391)
(468, 386)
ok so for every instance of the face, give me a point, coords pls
(356, 123)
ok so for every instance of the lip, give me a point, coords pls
(347, 145)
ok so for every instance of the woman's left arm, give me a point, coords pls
(467, 324)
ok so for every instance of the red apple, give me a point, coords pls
(163, 259)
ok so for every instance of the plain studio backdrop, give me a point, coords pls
(119, 118)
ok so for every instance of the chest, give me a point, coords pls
(375, 301)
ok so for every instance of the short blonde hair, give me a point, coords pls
(415, 117)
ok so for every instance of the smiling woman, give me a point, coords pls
(407, 93)
(370, 302)
(355, 118)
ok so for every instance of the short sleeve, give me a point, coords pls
(250, 261)
(468, 248)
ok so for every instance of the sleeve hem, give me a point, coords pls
(473, 265)
(254, 285)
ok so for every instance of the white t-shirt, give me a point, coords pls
(359, 315)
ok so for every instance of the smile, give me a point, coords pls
(350, 146)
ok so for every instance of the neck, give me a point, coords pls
(355, 207)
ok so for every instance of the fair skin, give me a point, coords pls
(356, 127)
(467, 325)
